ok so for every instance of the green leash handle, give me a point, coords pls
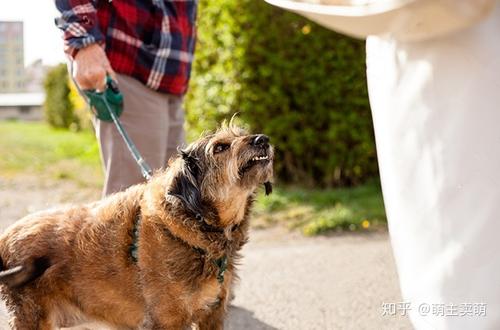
(108, 106)
(113, 97)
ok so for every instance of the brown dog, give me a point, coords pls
(160, 255)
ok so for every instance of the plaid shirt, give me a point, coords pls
(150, 40)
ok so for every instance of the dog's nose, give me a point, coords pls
(260, 140)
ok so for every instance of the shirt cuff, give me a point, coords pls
(80, 26)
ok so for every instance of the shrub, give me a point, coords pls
(59, 110)
(81, 109)
(299, 83)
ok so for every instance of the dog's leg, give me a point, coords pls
(27, 314)
(214, 318)
(164, 319)
(44, 324)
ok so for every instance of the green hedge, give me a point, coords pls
(58, 108)
(299, 83)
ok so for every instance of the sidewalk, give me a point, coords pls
(291, 282)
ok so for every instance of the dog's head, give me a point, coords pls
(222, 170)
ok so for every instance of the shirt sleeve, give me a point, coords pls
(79, 23)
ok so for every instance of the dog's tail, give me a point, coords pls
(25, 273)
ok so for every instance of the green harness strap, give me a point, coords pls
(134, 246)
(221, 263)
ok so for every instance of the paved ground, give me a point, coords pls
(290, 282)
(287, 281)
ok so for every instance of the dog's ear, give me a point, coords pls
(191, 164)
(185, 185)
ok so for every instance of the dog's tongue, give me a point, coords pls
(269, 187)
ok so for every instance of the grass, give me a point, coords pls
(36, 149)
(320, 211)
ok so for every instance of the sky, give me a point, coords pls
(42, 40)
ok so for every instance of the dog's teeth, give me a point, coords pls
(260, 158)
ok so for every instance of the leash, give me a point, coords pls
(108, 106)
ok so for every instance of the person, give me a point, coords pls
(434, 97)
(147, 47)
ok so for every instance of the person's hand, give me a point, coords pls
(90, 68)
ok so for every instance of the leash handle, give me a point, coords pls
(111, 94)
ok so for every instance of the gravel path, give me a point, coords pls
(287, 281)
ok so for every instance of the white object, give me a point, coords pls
(407, 20)
(436, 115)
(21, 99)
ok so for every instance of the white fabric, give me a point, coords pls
(436, 111)
(408, 20)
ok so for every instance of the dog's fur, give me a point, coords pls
(66, 266)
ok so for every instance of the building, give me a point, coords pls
(22, 106)
(12, 77)
(35, 74)
(21, 90)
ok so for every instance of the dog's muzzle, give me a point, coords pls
(260, 143)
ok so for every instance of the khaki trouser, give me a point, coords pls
(154, 122)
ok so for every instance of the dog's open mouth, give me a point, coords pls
(260, 159)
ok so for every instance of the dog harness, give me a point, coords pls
(134, 247)
(220, 263)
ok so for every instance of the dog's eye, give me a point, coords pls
(220, 147)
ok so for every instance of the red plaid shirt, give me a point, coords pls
(150, 40)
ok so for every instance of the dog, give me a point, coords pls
(160, 255)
